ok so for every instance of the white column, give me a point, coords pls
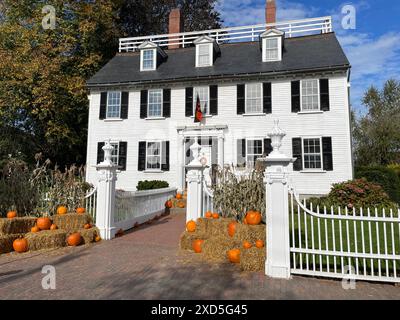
(181, 141)
(221, 155)
(277, 264)
(194, 180)
(105, 206)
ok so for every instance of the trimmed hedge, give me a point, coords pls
(151, 185)
(386, 177)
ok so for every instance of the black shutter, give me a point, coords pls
(267, 147)
(167, 103)
(324, 94)
(241, 152)
(100, 152)
(122, 155)
(298, 154)
(142, 156)
(267, 100)
(327, 153)
(296, 96)
(103, 106)
(165, 156)
(189, 102)
(214, 100)
(124, 105)
(241, 99)
(143, 104)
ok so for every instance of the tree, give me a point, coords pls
(377, 134)
(143, 17)
(43, 73)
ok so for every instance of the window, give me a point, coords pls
(204, 58)
(155, 103)
(114, 104)
(309, 95)
(272, 49)
(312, 153)
(254, 98)
(148, 59)
(115, 153)
(153, 156)
(203, 93)
(254, 151)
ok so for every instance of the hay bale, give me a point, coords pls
(46, 239)
(6, 242)
(216, 227)
(245, 232)
(252, 259)
(187, 239)
(16, 225)
(71, 222)
(88, 235)
(215, 248)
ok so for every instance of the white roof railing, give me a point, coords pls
(233, 34)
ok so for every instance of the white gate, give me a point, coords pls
(335, 242)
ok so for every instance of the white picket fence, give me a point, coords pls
(133, 207)
(90, 203)
(363, 244)
(207, 199)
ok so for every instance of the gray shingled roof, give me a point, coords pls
(301, 53)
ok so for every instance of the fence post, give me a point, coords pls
(194, 179)
(105, 206)
(276, 177)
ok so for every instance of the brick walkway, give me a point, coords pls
(145, 264)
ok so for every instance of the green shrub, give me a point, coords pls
(395, 167)
(385, 177)
(151, 185)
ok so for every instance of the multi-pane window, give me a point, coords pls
(312, 153)
(114, 104)
(254, 98)
(310, 95)
(115, 153)
(271, 49)
(204, 94)
(155, 103)
(153, 156)
(148, 59)
(204, 55)
(254, 151)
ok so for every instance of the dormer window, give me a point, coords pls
(272, 42)
(206, 48)
(150, 56)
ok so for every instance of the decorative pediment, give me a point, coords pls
(272, 33)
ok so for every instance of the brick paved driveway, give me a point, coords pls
(145, 264)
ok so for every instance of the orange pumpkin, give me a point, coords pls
(197, 245)
(215, 215)
(62, 210)
(260, 244)
(35, 229)
(168, 204)
(74, 239)
(11, 214)
(80, 210)
(97, 239)
(43, 223)
(253, 218)
(247, 245)
(87, 226)
(20, 245)
(191, 226)
(234, 255)
(244, 221)
(208, 214)
(181, 204)
(232, 228)
(179, 196)
(53, 227)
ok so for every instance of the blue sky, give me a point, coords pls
(373, 48)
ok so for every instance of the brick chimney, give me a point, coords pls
(270, 11)
(175, 25)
